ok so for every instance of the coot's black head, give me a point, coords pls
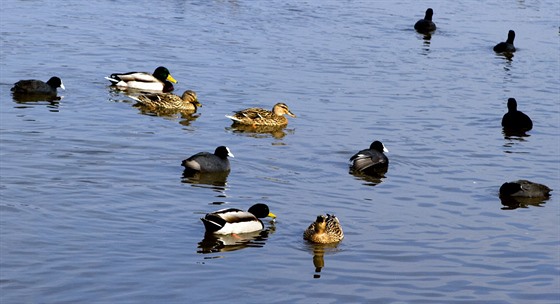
(55, 82)
(378, 146)
(508, 189)
(512, 104)
(223, 152)
(429, 14)
(511, 36)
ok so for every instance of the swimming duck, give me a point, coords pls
(325, 229)
(159, 81)
(524, 188)
(262, 117)
(231, 220)
(38, 87)
(426, 25)
(370, 161)
(206, 162)
(507, 46)
(187, 102)
(514, 119)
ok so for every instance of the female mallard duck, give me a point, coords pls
(370, 161)
(262, 117)
(426, 25)
(207, 162)
(506, 47)
(38, 87)
(159, 81)
(515, 120)
(325, 229)
(187, 102)
(233, 220)
(524, 188)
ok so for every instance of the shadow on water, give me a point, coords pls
(371, 178)
(260, 131)
(212, 243)
(426, 45)
(217, 181)
(512, 203)
(319, 251)
(186, 117)
(513, 134)
(32, 100)
(509, 58)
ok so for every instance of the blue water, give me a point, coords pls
(94, 208)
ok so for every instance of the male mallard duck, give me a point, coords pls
(514, 119)
(37, 87)
(524, 188)
(325, 229)
(187, 102)
(160, 80)
(507, 46)
(426, 25)
(370, 161)
(233, 220)
(207, 162)
(262, 117)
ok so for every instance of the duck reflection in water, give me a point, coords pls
(319, 251)
(260, 131)
(217, 179)
(512, 203)
(231, 242)
(186, 117)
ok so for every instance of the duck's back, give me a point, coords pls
(369, 160)
(517, 120)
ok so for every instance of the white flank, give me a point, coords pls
(152, 86)
(240, 227)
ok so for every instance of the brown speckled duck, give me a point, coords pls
(262, 117)
(187, 102)
(325, 229)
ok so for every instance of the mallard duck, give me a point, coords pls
(325, 229)
(187, 102)
(159, 81)
(38, 87)
(426, 25)
(507, 46)
(262, 117)
(370, 161)
(514, 119)
(524, 188)
(206, 162)
(233, 220)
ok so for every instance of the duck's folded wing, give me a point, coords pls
(361, 161)
(235, 216)
(135, 76)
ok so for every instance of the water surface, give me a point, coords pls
(94, 204)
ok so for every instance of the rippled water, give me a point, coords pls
(94, 207)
